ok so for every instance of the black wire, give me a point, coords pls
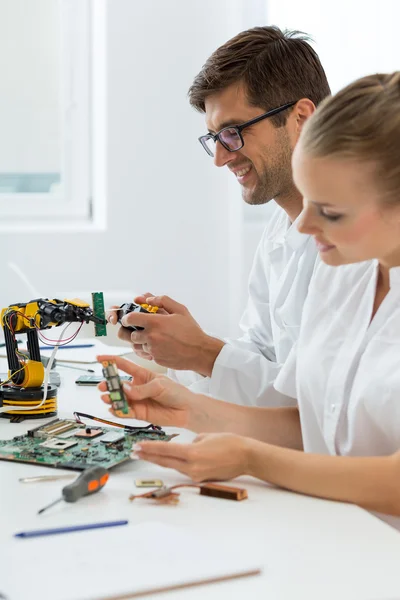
(128, 428)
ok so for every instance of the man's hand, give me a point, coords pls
(171, 337)
(124, 333)
(153, 398)
(215, 456)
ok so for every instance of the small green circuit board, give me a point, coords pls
(114, 384)
(66, 444)
(99, 311)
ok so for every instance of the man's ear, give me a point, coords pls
(303, 109)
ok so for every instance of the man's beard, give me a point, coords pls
(274, 180)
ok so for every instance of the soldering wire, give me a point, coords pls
(24, 358)
(15, 372)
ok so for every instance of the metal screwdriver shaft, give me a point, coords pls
(49, 505)
(41, 478)
(61, 364)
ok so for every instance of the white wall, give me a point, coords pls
(174, 220)
(176, 224)
(352, 37)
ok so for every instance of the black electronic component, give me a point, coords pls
(96, 379)
(88, 433)
(129, 307)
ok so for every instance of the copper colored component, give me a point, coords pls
(215, 490)
(88, 433)
(223, 491)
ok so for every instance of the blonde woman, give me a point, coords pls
(342, 442)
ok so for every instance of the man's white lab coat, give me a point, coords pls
(246, 368)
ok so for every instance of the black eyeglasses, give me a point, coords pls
(231, 137)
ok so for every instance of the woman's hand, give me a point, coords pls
(215, 456)
(152, 397)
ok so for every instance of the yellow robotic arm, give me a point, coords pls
(26, 371)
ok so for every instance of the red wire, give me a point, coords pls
(63, 342)
(42, 337)
(11, 326)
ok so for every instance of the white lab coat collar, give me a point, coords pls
(394, 274)
(294, 238)
(287, 234)
(394, 277)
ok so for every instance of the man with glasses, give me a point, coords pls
(231, 137)
(256, 91)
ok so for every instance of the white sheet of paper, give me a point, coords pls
(112, 562)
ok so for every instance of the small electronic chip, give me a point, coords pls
(56, 444)
(149, 483)
(112, 437)
(71, 433)
(117, 396)
(89, 433)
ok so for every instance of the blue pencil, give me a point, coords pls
(56, 530)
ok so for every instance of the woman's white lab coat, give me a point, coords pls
(345, 371)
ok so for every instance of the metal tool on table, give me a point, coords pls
(89, 482)
(59, 363)
(43, 478)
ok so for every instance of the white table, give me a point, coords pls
(311, 549)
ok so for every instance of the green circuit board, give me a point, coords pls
(99, 311)
(66, 444)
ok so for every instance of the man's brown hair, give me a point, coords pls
(274, 66)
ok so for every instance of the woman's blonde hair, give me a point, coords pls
(361, 123)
